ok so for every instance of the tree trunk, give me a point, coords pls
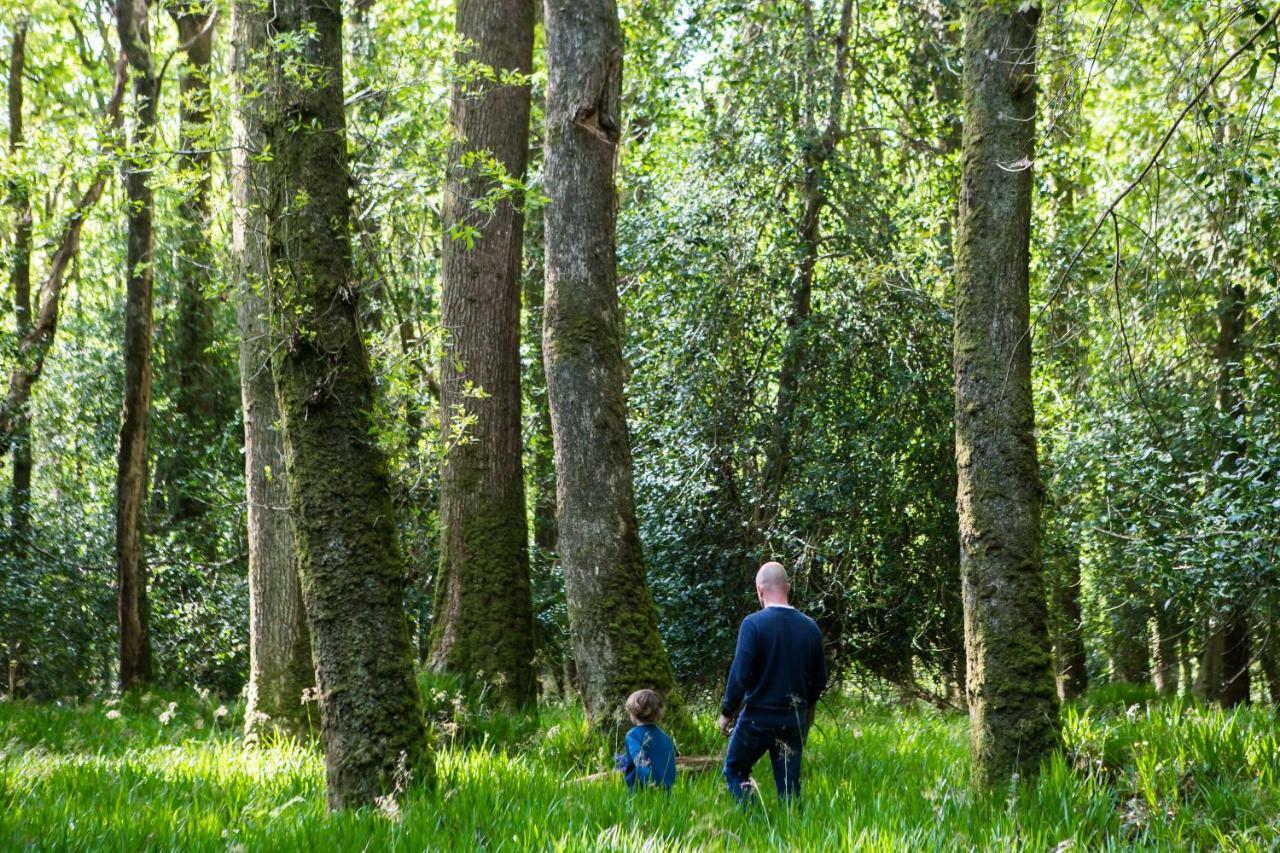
(1013, 703)
(131, 460)
(1073, 674)
(1228, 352)
(198, 404)
(1165, 671)
(541, 448)
(1208, 683)
(280, 664)
(612, 616)
(1129, 643)
(349, 564)
(483, 622)
(819, 147)
(20, 281)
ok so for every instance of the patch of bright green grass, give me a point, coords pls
(150, 775)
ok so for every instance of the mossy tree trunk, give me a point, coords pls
(1013, 703)
(351, 572)
(280, 664)
(200, 406)
(483, 621)
(612, 617)
(131, 461)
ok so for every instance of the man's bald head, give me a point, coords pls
(772, 584)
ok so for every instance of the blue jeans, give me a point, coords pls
(749, 742)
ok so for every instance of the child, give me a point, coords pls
(650, 759)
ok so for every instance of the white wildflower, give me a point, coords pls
(113, 714)
(220, 712)
(199, 722)
(166, 717)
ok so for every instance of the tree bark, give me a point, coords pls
(541, 448)
(131, 459)
(280, 663)
(612, 616)
(349, 564)
(198, 404)
(1228, 353)
(1208, 683)
(1165, 671)
(1013, 703)
(483, 622)
(1129, 643)
(1073, 674)
(20, 281)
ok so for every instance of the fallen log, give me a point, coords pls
(687, 764)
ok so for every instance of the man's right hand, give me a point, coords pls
(726, 725)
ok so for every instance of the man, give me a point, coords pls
(779, 671)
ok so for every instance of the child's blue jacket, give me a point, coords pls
(651, 758)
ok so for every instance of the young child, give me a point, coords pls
(650, 759)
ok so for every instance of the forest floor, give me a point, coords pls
(169, 771)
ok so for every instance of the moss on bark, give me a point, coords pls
(1013, 701)
(483, 621)
(612, 617)
(351, 572)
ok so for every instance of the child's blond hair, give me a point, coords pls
(645, 706)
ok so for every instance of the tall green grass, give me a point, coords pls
(148, 775)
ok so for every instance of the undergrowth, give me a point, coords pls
(168, 771)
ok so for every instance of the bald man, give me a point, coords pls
(779, 671)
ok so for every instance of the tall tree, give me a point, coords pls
(198, 402)
(612, 617)
(131, 460)
(822, 135)
(1013, 703)
(20, 281)
(1228, 352)
(349, 563)
(280, 664)
(1073, 674)
(483, 620)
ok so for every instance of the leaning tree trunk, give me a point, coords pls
(349, 563)
(198, 407)
(280, 666)
(131, 460)
(1013, 703)
(612, 617)
(483, 622)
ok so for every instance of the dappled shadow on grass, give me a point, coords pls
(875, 778)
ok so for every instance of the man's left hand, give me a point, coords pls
(726, 725)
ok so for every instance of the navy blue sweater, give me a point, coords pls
(779, 669)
